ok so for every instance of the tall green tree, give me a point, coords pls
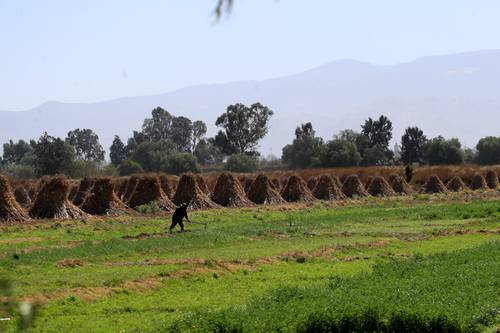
(488, 150)
(412, 145)
(86, 144)
(117, 151)
(206, 152)
(340, 153)
(13, 152)
(242, 128)
(53, 155)
(181, 133)
(199, 131)
(439, 151)
(377, 134)
(157, 127)
(305, 150)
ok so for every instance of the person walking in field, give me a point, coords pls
(179, 214)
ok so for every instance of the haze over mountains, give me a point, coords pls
(453, 95)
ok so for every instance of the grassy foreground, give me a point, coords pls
(288, 268)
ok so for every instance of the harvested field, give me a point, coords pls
(379, 187)
(148, 190)
(353, 187)
(296, 190)
(263, 193)
(189, 192)
(228, 192)
(52, 201)
(327, 189)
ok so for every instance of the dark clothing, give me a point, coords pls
(408, 173)
(179, 214)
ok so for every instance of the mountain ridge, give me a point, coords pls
(453, 95)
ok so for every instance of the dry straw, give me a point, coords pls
(296, 190)
(456, 184)
(353, 187)
(228, 192)
(52, 201)
(263, 193)
(189, 192)
(379, 187)
(10, 210)
(102, 200)
(327, 189)
(434, 185)
(148, 190)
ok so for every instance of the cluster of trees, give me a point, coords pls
(164, 143)
(80, 153)
(176, 144)
(370, 146)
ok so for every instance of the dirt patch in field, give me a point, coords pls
(70, 263)
(21, 240)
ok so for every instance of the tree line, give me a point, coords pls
(176, 144)
(370, 147)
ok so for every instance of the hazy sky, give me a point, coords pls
(84, 51)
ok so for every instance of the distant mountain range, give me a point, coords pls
(454, 95)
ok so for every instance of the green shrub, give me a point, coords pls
(177, 163)
(149, 208)
(241, 163)
(129, 167)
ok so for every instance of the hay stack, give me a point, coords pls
(492, 179)
(337, 181)
(189, 192)
(247, 184)
(131, 185)
(311, 183)
(120, 186)
(52, 201)
(102, 199)
(276, 184)
(296, 190)
(479, 183)
(353, 187)
(73, 189)
(399, 185)
(165, 185)
(149, 190)
(456, 184)
(368, 182)
(202, 184)
(379, 187)
(262, 192)
(228, 192)
(10, 210)
(22, 196)
(83, 189)
(434, 185)
(327, 189)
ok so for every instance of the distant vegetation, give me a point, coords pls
(176, 144)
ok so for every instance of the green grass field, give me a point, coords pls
(423, 263)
